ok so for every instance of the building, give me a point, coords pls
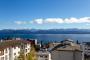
(14, 52)
(67, 50)
(51, 45)
(10, 49)
(44, 55)
(86, 46)
(4, 54)
(33, 41)
(86, 50)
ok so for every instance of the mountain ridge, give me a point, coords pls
(48, 31)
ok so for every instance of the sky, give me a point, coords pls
(44, 14)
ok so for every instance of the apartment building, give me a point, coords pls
(44, 55)
(67, 50)
(51, 45)
(86, 46)
(4, 54)
(86, 50)
(10, 49)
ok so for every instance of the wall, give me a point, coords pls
(6, 54)
(66, 55)
(14, 52)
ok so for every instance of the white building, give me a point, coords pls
(86, 46)
(44, 55)
(67, 50)
(26, 48)
(86, 50)
(10, 49)
(4, 54)
(14, 52)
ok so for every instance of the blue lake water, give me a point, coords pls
(50, 37)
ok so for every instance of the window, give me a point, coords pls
(26, 54)
(14, 53)
(22, 47)
(14, 47)
(18, 52)
(19, 47)
(26, 50)
(25, 46)
(2, 58)
(2, 52)
(45, 56)
(46, 59)
(41, 56)
(88, 49)
(5, 50)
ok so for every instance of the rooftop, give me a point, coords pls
(12, 43)
(65, 47)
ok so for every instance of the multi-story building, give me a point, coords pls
(43, 55)
(86, 50)
(86, 46)
(10, 49)
(67, 50)
(4, 54)
(14, 52)
(51, 45)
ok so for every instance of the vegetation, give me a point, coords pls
(32, 54)
(22, 56)
(29, 56)
(37, 48)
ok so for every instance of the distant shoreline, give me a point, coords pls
(50, 31)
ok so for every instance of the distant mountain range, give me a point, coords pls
(49, 31)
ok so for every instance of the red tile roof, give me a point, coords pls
(12, 43)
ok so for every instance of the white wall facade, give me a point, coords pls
(14, 52)
(27, 48)
(87, 50)
(10, 53)
(6, 54)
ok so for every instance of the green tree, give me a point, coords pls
(32, 54)
(21, 56)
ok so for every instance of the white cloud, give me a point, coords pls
(56, 20)
(85, 20)
(39, 21)
(80, 20)
(71, 20)
(20, 22)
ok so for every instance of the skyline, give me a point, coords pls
(46, 14)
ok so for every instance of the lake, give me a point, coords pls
(50, 37)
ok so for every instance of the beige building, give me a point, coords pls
(51, 45)
(67, 50)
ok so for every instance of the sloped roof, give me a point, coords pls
(11, 43)
(63, 47)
